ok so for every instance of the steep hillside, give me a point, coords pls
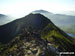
(34, 35)
(28, 43)
(58, 38)
(10, 30)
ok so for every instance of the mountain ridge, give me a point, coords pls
(34, 28)
(53, 17)
(59, 20)
(17, 25)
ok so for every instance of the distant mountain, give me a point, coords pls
(1, 15)
(36, 35)
(4, 19)
(71, 13)
(41, 11)
(58, 19)
(45, 13)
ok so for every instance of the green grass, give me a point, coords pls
(54, 36)
(1, 46)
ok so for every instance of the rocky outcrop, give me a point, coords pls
(28, 44)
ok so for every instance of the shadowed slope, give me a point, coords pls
(10, 30)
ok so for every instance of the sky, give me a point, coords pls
(18, 8)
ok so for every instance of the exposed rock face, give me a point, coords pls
(28, 45)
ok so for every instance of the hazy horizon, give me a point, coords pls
(18, 8)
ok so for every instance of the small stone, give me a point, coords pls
(29, 51)
(34, 51)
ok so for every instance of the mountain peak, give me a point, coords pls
(31, 34)
(36, 21)
(41, 11)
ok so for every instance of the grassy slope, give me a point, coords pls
(58, 38)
